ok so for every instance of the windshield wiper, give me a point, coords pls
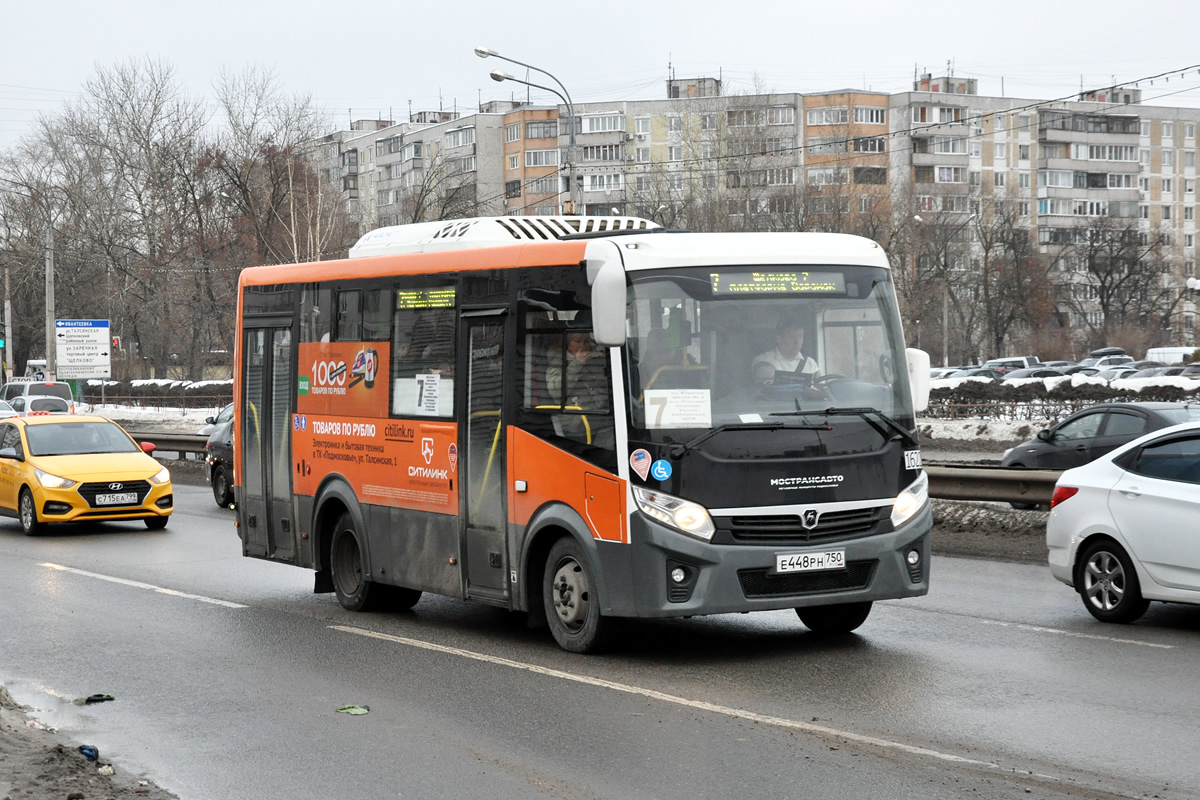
(676, 451)
(869, 415)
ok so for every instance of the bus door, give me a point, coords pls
(483, 481)
(265, 504)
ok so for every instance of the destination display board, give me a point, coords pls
(794, 282)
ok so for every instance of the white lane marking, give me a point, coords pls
(139, 585)
(1039, 629)
(728, 711)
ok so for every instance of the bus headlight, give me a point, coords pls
(910, 501)
(682, 515)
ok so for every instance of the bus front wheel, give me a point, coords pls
(840, 618)
(570, 600)
(354, 591)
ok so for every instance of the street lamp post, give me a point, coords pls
(564, 95)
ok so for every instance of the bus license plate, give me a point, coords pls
(119, 499)
(810, 562)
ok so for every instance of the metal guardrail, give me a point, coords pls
(181, 443)
(998, 484)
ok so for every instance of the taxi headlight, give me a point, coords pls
(910, 501)
(163, 476)
(52, 481)
(682, 515)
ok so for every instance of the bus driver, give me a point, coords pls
(786, 356)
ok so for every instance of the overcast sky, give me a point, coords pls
(370, 60)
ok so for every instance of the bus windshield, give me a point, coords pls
(720, 347)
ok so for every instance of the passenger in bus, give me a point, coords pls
(786, 356)
(657, 353)
(585, 374)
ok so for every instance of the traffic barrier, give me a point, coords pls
(997, 484)
(181, 443)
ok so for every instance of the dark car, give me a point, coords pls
(218, 460)
(1033, 372)
(1092, 432)
(1080, 369)
(977, 372)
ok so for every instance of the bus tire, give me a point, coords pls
(353, 590)
(570, 599)
(840, 618)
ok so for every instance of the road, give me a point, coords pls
(228, 673)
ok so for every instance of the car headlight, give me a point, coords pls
(52, 481)
(682, 515)
(910, 501)
(163, 476)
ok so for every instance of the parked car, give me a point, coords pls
(1106, 357)
(1079, 369)
(32, 403)
(1033, 372)
(977, 372)
(1058, 364)
(1095, 431)
(218, 461)
(1150, 372)
(214, 422)
(1122, 529)
(1115, 373)
(7, 411)
(73, 468)
(1012, 363)
(18, 388)
(1144, 364)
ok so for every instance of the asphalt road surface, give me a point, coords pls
(228, 674)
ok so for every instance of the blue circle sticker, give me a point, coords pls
(660, 470)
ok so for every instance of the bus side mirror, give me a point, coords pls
(918, 378)
(606, 274)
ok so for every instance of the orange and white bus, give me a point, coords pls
(586, 418)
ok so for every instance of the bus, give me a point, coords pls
(586, 419)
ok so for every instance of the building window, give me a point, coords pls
(1189, 240)
(950, 175)
(675, 153)
(829, 115)
(675, 182)
(950, 114)
(999, 150)
(541, 129)
(641, 125)
(1189, 212)
(1023, 180)
(951, 145)
(998, 179)
(783, 176)
(870, 144)
(541, 158)
(544, 185)
(1189, 158)
(642, 155)
(1143, 212)
(869, 115)
(641, 183)
(1023, 152)
(708, 151)
(512, 133)
(512, 189)
(1143, 156)
(467, 164)
(1145, 128)
(873, 176)
(460, 137)
(920, 114)
(708, 122)
(1023, 208)
(744, 118)
(514, 161)
(674, 124)
(1166, 185)
(1168, 158)
(601, 152)
(824, 176)
(604, 183)
(1166, 213)
(603, 122)
(781, 115)
(1168, 130)
(1189, 185)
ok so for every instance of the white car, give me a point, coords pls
(1125, 528)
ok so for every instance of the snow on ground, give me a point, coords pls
(159, 420)
(982, 430)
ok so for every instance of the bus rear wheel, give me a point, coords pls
(570, 600)
(353, 590)
(840, 618)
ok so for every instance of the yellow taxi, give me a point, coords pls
(56, 468)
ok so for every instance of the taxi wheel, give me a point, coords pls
(28, 513)
(156, 523)
(840, 618)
